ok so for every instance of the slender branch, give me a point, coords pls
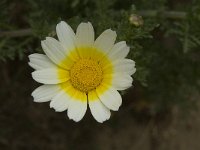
(17, 33)
(164, 14)
(146, 13)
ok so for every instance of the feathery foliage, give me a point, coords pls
(165, 43)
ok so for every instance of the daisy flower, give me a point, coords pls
(78, 70)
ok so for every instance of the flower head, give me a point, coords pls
(78, 70)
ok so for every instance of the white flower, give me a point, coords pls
(78, 70)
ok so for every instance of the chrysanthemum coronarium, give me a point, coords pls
(78, 70)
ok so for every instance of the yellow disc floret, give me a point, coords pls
(86, 75)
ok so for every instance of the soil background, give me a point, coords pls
(25, 125)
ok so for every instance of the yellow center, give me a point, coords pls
(86, 75)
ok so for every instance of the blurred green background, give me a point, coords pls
(160, 111)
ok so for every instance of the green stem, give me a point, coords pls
(165, 14)
(17, 33)
(146, 13)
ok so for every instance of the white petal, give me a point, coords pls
(60, 102)
(55, 51)
(121, 81)
(40, 61)
(125, 66)
(50, 76)
(98, 110)
(78, 106)
(45, 93)
(66, 35)
(77, 110)
(106, 40)
(121, 66)
(119, 51)
(85, 35)
(110, 98)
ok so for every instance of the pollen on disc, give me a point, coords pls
(86, 75)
